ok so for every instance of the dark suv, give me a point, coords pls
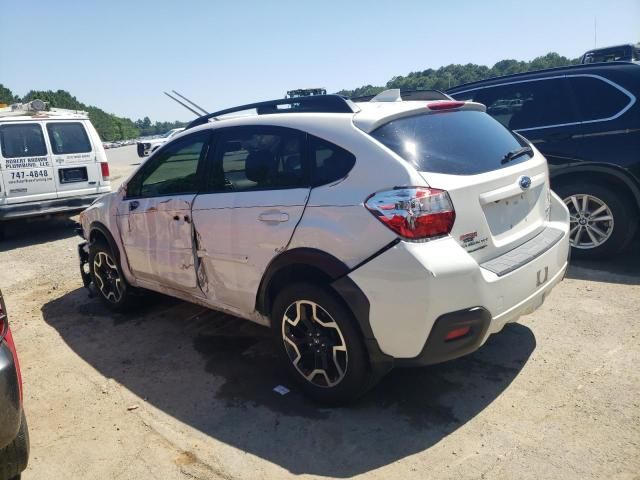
(14, 436)
(586, 120)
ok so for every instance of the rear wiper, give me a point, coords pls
(515, 154)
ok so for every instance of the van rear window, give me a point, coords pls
(68, 137)
(460, 143)
(22, 140)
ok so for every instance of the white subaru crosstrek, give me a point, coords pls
(366, 235)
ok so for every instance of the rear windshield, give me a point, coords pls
(462, 143)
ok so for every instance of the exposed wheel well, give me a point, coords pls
(601, 177)
(291, 274)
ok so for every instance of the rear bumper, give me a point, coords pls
(46, 207)
(10, 408)
(413, 286)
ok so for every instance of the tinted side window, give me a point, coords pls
(24, 140)
(172, 171)
(528, 104)
(68, 138)
(254, 158)
(330, 162)
(596, 99)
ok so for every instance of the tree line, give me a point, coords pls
(110, 127)
(452, 75)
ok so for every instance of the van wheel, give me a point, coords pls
(15, 456)
(602, 222)
(320, 344)
(107, 277)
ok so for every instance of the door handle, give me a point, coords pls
(133, 205)
(273, 217)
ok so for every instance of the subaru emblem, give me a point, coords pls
(525, 182)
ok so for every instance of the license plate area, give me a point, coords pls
(73, 175)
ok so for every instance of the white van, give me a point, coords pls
(50, 161)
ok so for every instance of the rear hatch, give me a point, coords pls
(26, 169)
(500, 200)
(76, 166)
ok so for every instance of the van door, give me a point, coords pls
(74, 158)
(25, 164)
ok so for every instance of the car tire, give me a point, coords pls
(618, 232)
(15, 456)
(107, 277)
(327, 341)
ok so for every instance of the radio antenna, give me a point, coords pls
(197, 114)
(190, 102)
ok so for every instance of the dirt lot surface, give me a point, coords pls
(174, 391)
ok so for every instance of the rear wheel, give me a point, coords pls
(320, 344)
(14, 457)
(107, 277)
(602, 222)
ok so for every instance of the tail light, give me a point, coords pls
(415, 213)
(444, 105)
(104, 167)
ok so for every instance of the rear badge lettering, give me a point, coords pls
(471, 242)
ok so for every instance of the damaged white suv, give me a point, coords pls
(365, 234)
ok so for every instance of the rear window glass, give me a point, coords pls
(597, 99)
(25, 140)
(462, 143)
(68, 138)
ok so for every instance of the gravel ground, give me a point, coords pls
(175, 391)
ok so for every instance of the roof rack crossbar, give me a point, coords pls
(313, 103)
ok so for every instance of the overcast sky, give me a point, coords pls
(121, 55)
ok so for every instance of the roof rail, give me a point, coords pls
(405, 95)
(313, 103)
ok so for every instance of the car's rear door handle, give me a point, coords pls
(273, 217)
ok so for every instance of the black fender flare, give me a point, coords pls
(607, 169)
(345, 287)
(309, 257)
(100, 227)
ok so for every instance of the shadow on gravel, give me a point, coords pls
(623, 268)
(217, 374)
(23, 233)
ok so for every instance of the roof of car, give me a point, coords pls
(541, 73)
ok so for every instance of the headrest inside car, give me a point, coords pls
(258, 165)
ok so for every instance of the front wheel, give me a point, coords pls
(107, 277)
(320, 344)
(602, 222)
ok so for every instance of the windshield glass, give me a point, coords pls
(460, 142)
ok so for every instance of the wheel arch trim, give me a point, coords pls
(561, 174)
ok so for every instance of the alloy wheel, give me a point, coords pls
(591, 221)
(107, 277)
(314, 343)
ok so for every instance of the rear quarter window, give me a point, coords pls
(597, 99)
(459, 143)
(68, 137)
